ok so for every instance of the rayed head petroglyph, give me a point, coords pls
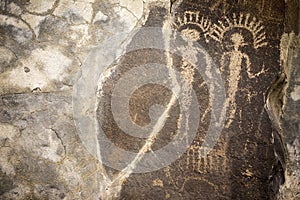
(236, 58)
(254, 26)
(192, 25)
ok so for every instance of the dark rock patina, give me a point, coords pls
(254, 44)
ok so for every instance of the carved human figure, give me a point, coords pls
(236, 58)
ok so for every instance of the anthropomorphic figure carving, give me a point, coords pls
(235, 60)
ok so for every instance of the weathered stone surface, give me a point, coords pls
(289, 115)
(44, 51)
(40, 152)
(248, 161)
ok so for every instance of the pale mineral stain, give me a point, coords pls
(46, 65)
(100, 17)
(81, 8)
(80, 35)
(134, 6)
(127, 18)
(51, 151)
(8, 132)
(39, 6)
(296, 93)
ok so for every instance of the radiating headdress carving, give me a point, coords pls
(254, 26)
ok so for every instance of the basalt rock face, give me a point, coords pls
(248, 160)
(289, 115)
(93, 93)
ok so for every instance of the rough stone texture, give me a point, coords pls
(289, 114)
(41, 156)
(43, 45)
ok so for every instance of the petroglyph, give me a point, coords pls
(70, 29)
(195, 22)
(236, 58)
(194, 164)
(195, 161)
(158, 183)
(254, 26)
(235, 66)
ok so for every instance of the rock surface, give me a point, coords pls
(54, 99)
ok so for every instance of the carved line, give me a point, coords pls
(194, 18)
(254, 26)
(217, 31)
(196, 162)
